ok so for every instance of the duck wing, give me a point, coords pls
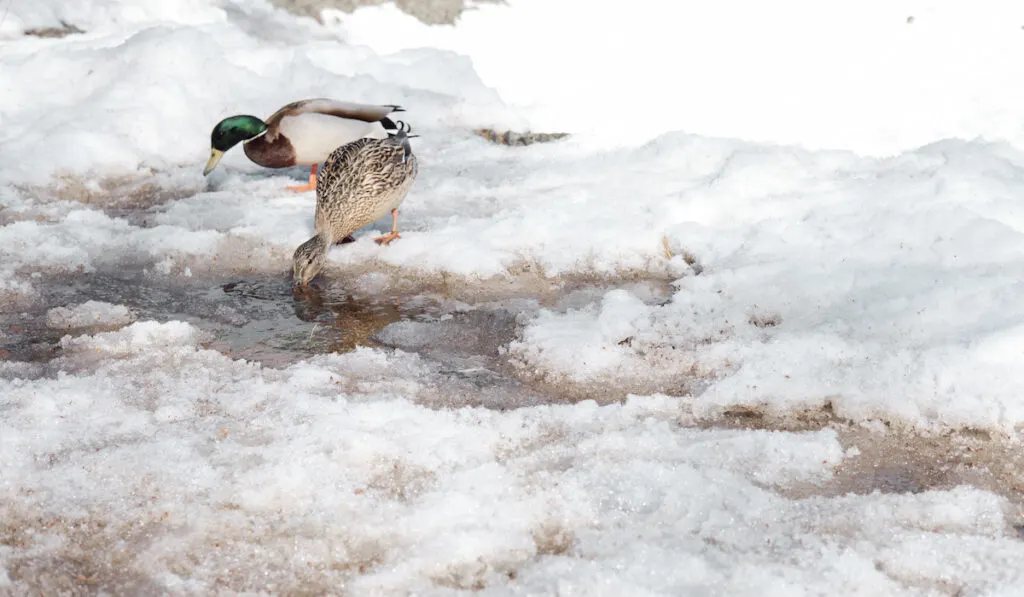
(329, 107)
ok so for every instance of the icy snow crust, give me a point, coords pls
(88, 314)
(876, 281)
(173, 468)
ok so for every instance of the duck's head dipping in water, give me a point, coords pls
(230, 132)
(359, 183)
(309, 259)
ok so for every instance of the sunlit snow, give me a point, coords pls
(754, 328)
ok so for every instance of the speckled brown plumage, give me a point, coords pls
(359, 183)
(362, 182)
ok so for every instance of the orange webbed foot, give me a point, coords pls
(387, 238)
(306, 187)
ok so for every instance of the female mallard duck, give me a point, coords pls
(360, 183)
(302, 133)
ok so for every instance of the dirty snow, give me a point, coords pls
(836, 225)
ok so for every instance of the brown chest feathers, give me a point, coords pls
(277, 153)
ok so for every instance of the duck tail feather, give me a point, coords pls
(401, 135)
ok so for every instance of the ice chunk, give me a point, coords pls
(88, 314)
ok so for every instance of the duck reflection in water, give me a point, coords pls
(357, 319)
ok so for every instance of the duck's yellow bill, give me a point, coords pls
(215, 156)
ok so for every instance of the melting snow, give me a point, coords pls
(830, 198)
(91, 313)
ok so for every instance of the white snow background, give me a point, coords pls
(805, 213)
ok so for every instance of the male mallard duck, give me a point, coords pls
(360, 183)
(301, 133)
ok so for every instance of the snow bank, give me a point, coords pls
(877, 77)
(104, 14)
(144, 90)
(876, 288)
(223, 474)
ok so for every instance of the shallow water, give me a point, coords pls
(257, 318)
(263, 318)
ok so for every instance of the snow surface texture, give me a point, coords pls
(184, 466)
(435, 12)
(88, 314)
(878, 76)
(868, 267)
